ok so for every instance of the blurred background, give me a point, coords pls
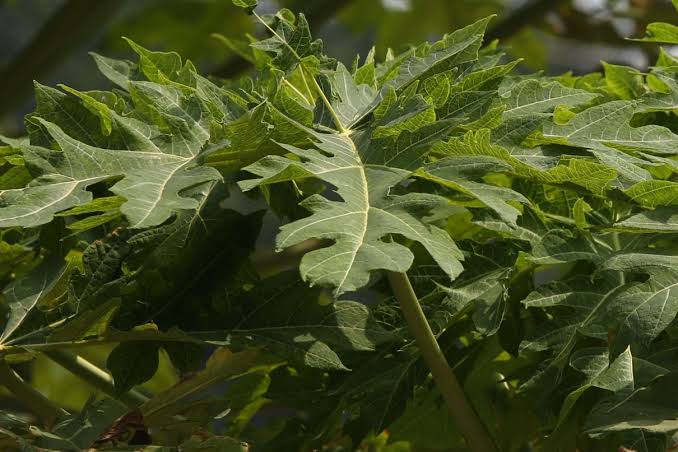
(49, 40)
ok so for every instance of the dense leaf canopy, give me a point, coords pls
(536, 216)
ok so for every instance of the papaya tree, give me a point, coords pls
(430, 251)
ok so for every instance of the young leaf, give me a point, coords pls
(248, 5)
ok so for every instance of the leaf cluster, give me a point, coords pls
(536, 216)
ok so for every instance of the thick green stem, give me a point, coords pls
(93, 375)
(35, 401)
(465, 419)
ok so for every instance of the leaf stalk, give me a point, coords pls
(38, 403)
(94, 376)
(465, 418)
(328, 105)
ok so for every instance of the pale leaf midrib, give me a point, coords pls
(365, 212)
(75, 183)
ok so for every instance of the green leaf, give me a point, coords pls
(661, 32)
(253, 136)
(590, 175)
(556, 193)
(634, 416)
(608, 125)
(473, 94)
(665, 96)
(624, 82)
(644, 442)
(11, 258)
(15, 177)
(455, 172)
(152, 179)
(159, 67)
(579, 211)
(94, 322)
(248, 5)
(615, 376)
(640, 262)
(629, 169)
(132, 363)
(381, 388)
(650, 411)
(654, 193)
(428, 62)
(425, 424)
(289, 320)
(291, 43)
(107, 209)
(222, 365)
(101, 264)
(23, 295)
(348, 98)
(80, 431)
(458, 47)
(643, 310)
(156, 150)
(530, 97)
(366, 215)
(488, 295)
(584, 314)
(660, 220)
(186, 357)
(561, 246)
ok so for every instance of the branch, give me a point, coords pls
(317, 13)
(29, 396)
(63, 33)
(527, 14)
(88, 372)
(465, 418)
